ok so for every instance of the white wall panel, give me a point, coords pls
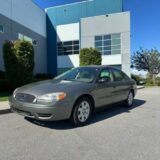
(26, 13)
(112, 59)
(101, 25)
(73, 60)
(68, 61)
(68, 32)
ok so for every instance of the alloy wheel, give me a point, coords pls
(83, 111)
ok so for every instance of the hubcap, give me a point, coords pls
(83, 111)
(130, 99)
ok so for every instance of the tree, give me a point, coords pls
(19, 62)
(147, 60)
(90, 56)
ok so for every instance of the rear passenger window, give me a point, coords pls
(118, 76)
(125, 76)
(106, 74)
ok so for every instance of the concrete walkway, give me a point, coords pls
(4, 107)
(140, 87)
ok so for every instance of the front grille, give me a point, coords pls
(23, 97)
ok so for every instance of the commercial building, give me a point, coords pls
(22, 19)
(61, 31)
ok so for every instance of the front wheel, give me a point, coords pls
(82, 112)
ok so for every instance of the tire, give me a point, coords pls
(130, 99)
(81, 112)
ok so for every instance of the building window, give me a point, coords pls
(68, 47)
(1, 29)
(26, 38)
(108, 44)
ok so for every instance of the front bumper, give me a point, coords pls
(59, 111)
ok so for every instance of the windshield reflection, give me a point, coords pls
(84, 74)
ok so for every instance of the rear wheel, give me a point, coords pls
(130, 99)
(82, 112)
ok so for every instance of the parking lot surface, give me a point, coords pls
(113, 134)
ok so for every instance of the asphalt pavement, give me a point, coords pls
(113, 134)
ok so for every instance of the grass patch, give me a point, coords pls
(4, 96)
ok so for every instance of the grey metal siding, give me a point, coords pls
(72, 13)
(101, 25)
(11, 30)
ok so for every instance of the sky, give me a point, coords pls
(145, 20)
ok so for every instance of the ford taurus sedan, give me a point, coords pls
(74, 94)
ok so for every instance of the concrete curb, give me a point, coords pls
(140, 87)
(4, 108)
(5, 111)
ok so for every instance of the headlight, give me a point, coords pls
(50, 98)
(14, 93)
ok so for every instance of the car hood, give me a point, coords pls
(51, 86)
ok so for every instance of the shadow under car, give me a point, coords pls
(98, 116)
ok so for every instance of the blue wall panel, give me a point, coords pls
(90, 8)
(72, 13)
(51, 48)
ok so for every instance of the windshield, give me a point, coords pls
(79, 74)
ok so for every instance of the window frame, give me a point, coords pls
(103, 41)
(73, 45)
(23, 37)
(2, 31)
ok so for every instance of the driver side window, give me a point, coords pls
(105, 75)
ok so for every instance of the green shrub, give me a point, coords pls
(157, 78)
(158, 83)
(2, 74)
(90, 56)
(5, 86)
(149, 82)
(19, 62)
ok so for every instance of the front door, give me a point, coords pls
(104, 93)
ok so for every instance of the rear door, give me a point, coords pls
(121, 83)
